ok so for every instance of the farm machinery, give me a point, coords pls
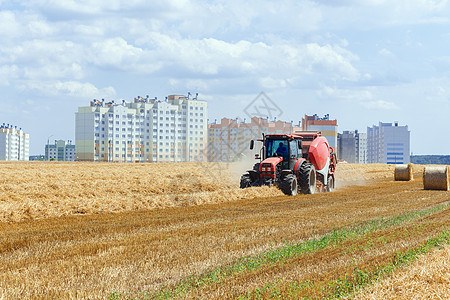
(301, 161)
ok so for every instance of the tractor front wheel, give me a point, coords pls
(245, 181)
(288, 185)
(307, 178)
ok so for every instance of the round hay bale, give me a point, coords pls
(436, 178)
(403, 172)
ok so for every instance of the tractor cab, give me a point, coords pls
(285, 146)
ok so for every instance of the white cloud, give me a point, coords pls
(190, 84)
(386, 53)
(380, 105)
(269, 83)
(280, 61)
(70, 89)
(40, 28)
(89, 30)
(8, 73)
(78, 8)
(54, 71)
(9, 24)
(365, 97)
(39, 52)
(372, 14)
(115, 52)
(357, 95)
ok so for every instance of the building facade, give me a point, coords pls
(325, 125)
(229, 139)
(14, 143)
(388, 143)
(146, 130)
(60, 151)
(361, 147)
(352, 147)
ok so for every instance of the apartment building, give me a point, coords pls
(323, 124)
(388, 143)
(352, 147)
(229, 140)
(60, 151)
(14, 143)
(145, 130)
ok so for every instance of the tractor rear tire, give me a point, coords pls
(330, 185)
(288, 185)
(307, 178)
(245, 181)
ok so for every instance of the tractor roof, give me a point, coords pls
(296, 135)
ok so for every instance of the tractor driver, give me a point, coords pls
(282, 150)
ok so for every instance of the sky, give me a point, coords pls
(362, 62)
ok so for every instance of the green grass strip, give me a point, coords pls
(359, 278)
(352, 283)
(290, 250)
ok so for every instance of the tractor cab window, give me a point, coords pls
(277, 148)
(293, 147)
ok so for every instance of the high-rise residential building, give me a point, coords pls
(388, 143)
(229, 139)
(361, 147)
(327, 127)
(60, 151)
(14, 143)
(352, 147)
(146, 130)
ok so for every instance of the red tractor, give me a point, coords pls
(301, 160)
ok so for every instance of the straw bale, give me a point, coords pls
(403, 172)
(436, 178)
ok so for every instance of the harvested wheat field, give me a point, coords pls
(148, 231)
(430, 274)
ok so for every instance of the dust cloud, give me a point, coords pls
(240, 167)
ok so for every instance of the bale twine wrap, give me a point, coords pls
(403, 172)
(436, 178)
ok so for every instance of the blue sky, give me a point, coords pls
(360, 61)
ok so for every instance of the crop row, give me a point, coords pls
(351, 241)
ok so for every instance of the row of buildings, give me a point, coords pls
(386, 143)
(177, 130)
(229, 139)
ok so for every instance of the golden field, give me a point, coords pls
(32, 190)
(152, 231)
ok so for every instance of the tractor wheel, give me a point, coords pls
(330, 185)
(307, 178)
(256, 167)
(245, 181)
(288, 185)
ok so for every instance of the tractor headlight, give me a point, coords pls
(263, 169)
